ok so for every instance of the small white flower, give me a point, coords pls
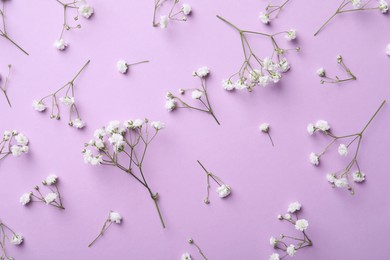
(343, 150)
(78, 123)
(301, 224)
(39, 105)
(50, 197)
(264, 18)
(311, 129)
(227, 85)
(331, 178)
(268, 64)
(7, 135)
(99, 133)
(186, 8)
(388, 49)
(16, 150)
(280, 217)
(275, 77)
(224, 191)
(322, 125)
(273, 241)
(274, 256)
(157, 125)
(321, 72)
(85, 10)
(21, 139)
(284, 66)
(91, 159)
(122, 66)
(356, 3)
(186, 256)
(67, 101)
(341, 183)
(114, 127)
(170, 104)
(202, 72)
(99, 144)
(60, 44)
(117, 141)
(291, 250)
(25, 198)
(17, 239)
(164, 20)
(51, 179)
(264, 80)
(383, 6)
(293, 207)
(240, 84)
(196, 94)
(358, 176)
(138, 123)
(115, 217)
(314, 159)
(287, 216)
(291, 35)
(264, 127)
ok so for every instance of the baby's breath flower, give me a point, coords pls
(164, 20)
(51, 179)
(291, 35)
(383, 6)
(186, 8)
(121, 66)
(343, 150)
(321, 72)
(115, 217)
(274, 256)
(358, 176)
(314, 159)
(85, 10)
(50, 197)
(341, 182)
(301, 224)
(264, 18)
(60, 44)
(291, 250)
(17, 239)
(196, 94)
(77, 123)
(186, 256)
(294, 207)
(25, 198)
(39, 106)
(224, 190)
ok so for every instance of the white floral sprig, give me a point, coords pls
(10, 236)
(200, 94)
(122, 66)
(271, 12)
(187, 256)
(255, 71)
(264, 127)
(348, 6)
(325, 79)
(4, 87)
(124, 146)
(289, 245)
(52, 198)
(80, 7)
(341, 178)
(14, 143)
(3, 30)
(113, 217)
(67, 100)
(223, 189)
(173, 15)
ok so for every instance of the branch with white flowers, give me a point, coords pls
(326, 79)
(4, 88)
(53, 198)
(113, 217)
(289, 245)
(3, 30)
(199, 94)
(255, 71)
(80, 7)
(348, 6)
(10, 236)
(341, 178)
(223, 189)
(122, 66)
(67, 100)
(264, 127)
(124, 147)
(271, 12)
(187, 256)
(14, 143)
(173, 15)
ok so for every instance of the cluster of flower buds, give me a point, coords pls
(325, 79)
(173, 15)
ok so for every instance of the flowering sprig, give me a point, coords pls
(296, 243)
(264, 127)
(122, 66)
(67, 100)
(341, 178)
(82, 8)
(255, 71)
(192, 242)
(174, 14)
(271, 12)
(7, 234)
(325, 79)
(348, 6)
(53, 198)
(8, 146)
(113, 217)
(124, 147)
(3, 87)
(223, 189)
(3, 31)
(196, 94)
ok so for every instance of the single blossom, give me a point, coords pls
(186, 8)
(294, 207)
(186, 256)
(39, 106)
(51, 179)
(291, 250)
(50, 197)
(85, 10)
(321, 72)
(196, 94)
(273, 241)
(322, 125)
(25, 198)
(343, 150)
(115, 217)
(264, 127)
(202, 72)
(341, 182)
(331, 178)
(358, 176)
(122, 66)
(383, 6)
(314, 159)
(164, 20)
(274, 256)
(17, 239)
(77, 123)
(60, 44)
(301, 224)
(264, 18)
(291, 35)
(224, 190)
(311, 129)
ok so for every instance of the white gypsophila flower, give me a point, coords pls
(280, 217)
(78, 123)
(284, 66)
(21, 139)
(264, 80)
(96, 160)
(170, 104)
(383, 6)
(7, 135)
(228, 85)
(314, 159)
(17, 239)
(16, 150)
(301, 224)
(388, 49)
(67, 101)
(164, 20)
(196, 94)
(51, 179)
(268, 64)
(99, 133)
(117, 141)
(114, 127)
(137, 123)
(254, 75)
(202, 72)
(291, 35)
(115, 217)
(186, 256)
(157, 125)
(321, 72)
(322, 125)
(264, 127)
(331, 178)
(99, 143)
(50, 197)
(274, 256)
(356, 3)
(186, 8)
(24, 149)
(264, 18)
(273, 241)
(310, 129)
(358, 176)
(122, 66)
(38, 105)
(276, 76)
(341, 182)
(25, 198)
(240, 84)
(343, 150)
(291, 250)
(294, 206)
(287, 216)
(224, 190)
(60, 44)
(85, 10)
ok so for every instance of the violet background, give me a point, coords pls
(264, 179)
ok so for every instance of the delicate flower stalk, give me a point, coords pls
(289, 245)
(325, 79)
(10, 236)
(14, 143)
(173, 15)
(53, 198)
(223, 189)
(3, 31)
(192, 242)
(199, 94)
(122, 66)
(348, 6)
(4, 88)
(67, 100)
(264, 127)
(342, 178)
(271, 12)
(113, 217)
(124, 147)
(255, 71)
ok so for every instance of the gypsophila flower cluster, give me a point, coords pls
(192, 242)
(198, 94)
(68, 100)
(52, 197)
(10, 236)
(14, 143)
(186, 256)
(124, 146)
(289, 245)
(343, 177)
(264, 127)
(325, 79)
(271, 12)
(81, 8)
(122, 66)
(174, 14)
(4, 86)
(348, 6)
(113, 217)
(255, 71)
(223, 190)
